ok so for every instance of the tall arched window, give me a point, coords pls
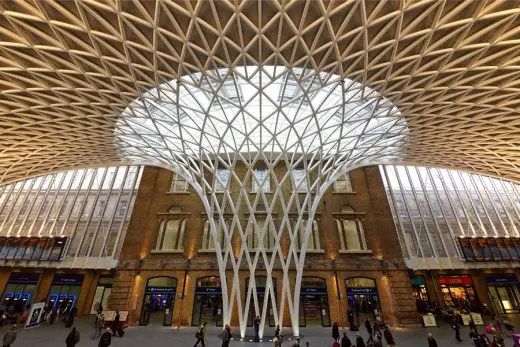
(350, 230)
(171, 231)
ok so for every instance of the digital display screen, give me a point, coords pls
(490, 249)
(32, 248)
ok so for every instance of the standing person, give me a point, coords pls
(106, 338)
(297, 343)
(116, 325)
(335, 331)
(225, 336)
(201, 335)
(431, 341)
(456, 326)
(345, 341)
(72, 338)
(54, 315)
(277, 331)
(473, 326)
(10, 337)
(335, 343)
(257, 329)
(71, 317)
(370, 331)
(389, 337)
(359, 341)
(98, 326)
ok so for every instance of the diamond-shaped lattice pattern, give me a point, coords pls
(261, 118)
(69, 68)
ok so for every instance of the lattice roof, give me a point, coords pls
(68, 69)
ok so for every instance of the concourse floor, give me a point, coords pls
(153, 336)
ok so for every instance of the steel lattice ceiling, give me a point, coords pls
(68, 69)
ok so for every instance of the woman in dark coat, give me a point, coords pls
(335, 332)
(345, 341)
(388, 337)
(359, 341)
(73, 338)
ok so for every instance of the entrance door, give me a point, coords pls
(159, 301)
(362, 300)
(207, 306)
(505, 298)
(260, 282)
(314, 302)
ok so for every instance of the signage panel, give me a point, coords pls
(463, 280)
(315, 291)
(160, 290)
(24, 278)
(361, 291)
(66, 279)
(35, 315)
(208, 290)
(502, 279)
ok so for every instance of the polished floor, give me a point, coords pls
(52, 336)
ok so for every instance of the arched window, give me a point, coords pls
(171, 231)
(350, 230)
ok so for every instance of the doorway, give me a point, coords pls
(159, 299)
(260, 282)
(207, 306)
(314, 302)
(362, 300)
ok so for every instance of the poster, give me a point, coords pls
(477, 318)
(429, 320)
(35, 315)
(466, 318)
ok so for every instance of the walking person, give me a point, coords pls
(106, 338)
(473, 326)
(456, 326)
(257, 329)
(431, 341)
(225, 336)
(10, 337)
(72, 338)
(389, 337)
(335, 343)
(335, 331)
(278, 341)
(345, 341)
(359, 341)
(370, 331)
(99, 325)
(201, 335)
(116, 325)
(71, 317)
(277, 331)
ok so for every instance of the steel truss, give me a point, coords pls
(246, 118)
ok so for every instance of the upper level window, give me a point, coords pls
(179, 184)
(261, 180)
(300, 180)
(208, 241)
(171, 232)
(123, 205)
(222, 179)
(343, 184)
(261, 234)
(313, 244)
(100, 208)
(351, 233)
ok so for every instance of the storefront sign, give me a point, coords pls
(315, 291)
(418, 281)
(35, 315)
(501, 279)
(477, 318)
(429, 320)
(362, 291)
(159, 290)
(24, 278)
(455, 280)
(70, 280)
(208, 290)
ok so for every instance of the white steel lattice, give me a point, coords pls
(266, 117)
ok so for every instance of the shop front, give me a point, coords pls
(19, 291)
(159, 298)
(503, 291)
(420, 293)
(362, 300)
(459, 293)
(207, 306)
(102, 293)
(314, 302)
(65, 290)
(261, 289)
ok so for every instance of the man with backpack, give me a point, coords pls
(201, 335)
